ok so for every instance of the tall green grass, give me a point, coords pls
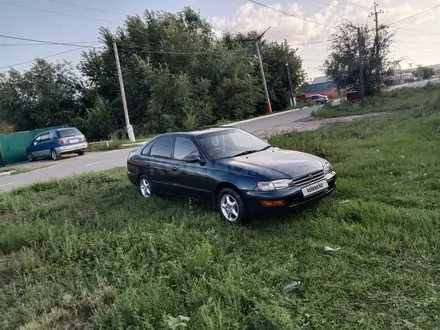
(88, 252)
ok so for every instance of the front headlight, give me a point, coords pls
(274, 185)
(328, 168)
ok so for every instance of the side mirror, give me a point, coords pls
(192, 159)
(266, 141)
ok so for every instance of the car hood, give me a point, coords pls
(276, 163)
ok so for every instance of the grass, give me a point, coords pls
(399, 99)
(88, 252)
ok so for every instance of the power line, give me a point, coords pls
(26, 62)
(73, 43)
(289, 14)
(56, 12)
(412, 30)
(418, 42)
(88, 8)
(42, 41)
(419, 13)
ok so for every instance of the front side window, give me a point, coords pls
(184, 148)
(162, 147)
(44, 137)
(229, 143)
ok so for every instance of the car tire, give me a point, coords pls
(81, 152)
(231, 207)
(29, 156)
(54, 155)
(144, 186)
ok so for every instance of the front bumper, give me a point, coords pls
(292, 197)
(71, 148)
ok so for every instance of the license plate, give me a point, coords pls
(315, 188)
(74, 140)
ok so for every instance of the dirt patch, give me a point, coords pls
(6, 268)
(8, 216)
(343, 119)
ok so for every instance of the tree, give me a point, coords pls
(424, 72)
(45, 95)
(274, 55)
(351, 46)
(176, 73)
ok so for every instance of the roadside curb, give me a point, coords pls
(7, 173)
(134, 144)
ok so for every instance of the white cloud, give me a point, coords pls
(250, 16)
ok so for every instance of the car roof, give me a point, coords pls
(64, 128)
(201, 131)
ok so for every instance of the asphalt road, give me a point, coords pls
(99, 161)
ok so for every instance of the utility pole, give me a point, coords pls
(292, 95)
(361, 64)
(129, 128)
(376, 41)
(266, 92)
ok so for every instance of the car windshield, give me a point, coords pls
(69, 132)
(230, 143)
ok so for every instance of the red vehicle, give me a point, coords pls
(353, 97)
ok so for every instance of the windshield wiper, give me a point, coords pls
(247, 152)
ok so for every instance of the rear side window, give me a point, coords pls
(146, 150)
(162, 147)
(68, 132)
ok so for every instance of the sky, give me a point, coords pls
(417, 40)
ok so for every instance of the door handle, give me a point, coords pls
(174, 169)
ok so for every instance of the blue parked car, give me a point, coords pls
(54, 143)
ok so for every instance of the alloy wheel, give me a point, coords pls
(145, 187)
(229, 208)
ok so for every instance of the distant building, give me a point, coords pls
(321, 85)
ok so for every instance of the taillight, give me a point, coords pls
(63, 141)
(82, 138)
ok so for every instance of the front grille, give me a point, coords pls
(309, 178)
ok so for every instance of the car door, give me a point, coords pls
(158, 164)
(33, 146)
(45, 144)
(189, 179)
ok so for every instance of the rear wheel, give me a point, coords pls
(30, 157)
(54, 155)
(231, 206)
(81, 152)
(144, 186)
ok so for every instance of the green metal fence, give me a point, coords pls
(13, 146)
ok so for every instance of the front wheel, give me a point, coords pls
(231, 206)
(54, 155)
(30, 158)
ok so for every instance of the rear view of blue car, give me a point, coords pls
(54, 143)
